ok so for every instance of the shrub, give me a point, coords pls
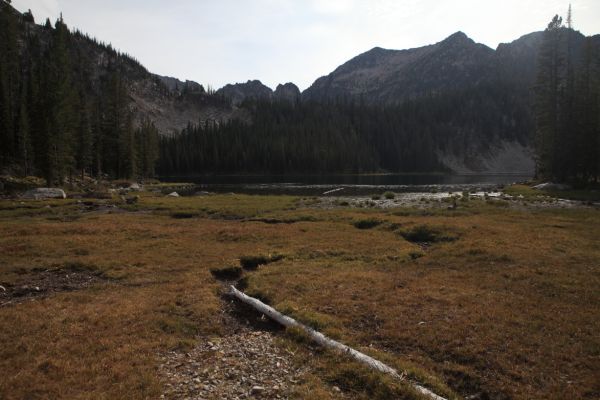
(424, 233)
(367, 223)
(389, 195)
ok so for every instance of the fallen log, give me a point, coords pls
(333, 191)
(324, 341)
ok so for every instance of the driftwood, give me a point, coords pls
(334, 190)
(324, 341)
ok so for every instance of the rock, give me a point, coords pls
(173, 194)
(551, 186)
(256, 390)
(45, 193)
(135, 187)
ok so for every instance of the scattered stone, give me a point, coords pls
(45, 193)
(135, 187)
(257, 390)
(245, 364)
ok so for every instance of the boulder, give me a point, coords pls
(135, 187)
(173, 194)
(45, 193)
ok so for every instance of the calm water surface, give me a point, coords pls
(344, 184)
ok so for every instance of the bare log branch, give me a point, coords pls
(324, 341)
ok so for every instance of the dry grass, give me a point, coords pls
(508, 310)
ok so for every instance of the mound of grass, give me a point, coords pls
(367, 223)
(389, 195)
(427, 234)
(253, 262)
(227, 273)
(184, 215)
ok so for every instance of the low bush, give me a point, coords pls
(427, 234)
(367, 223)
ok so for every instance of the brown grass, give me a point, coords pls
(508, 310)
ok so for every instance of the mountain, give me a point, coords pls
(287, 92)
(170, 103)
(447, 68)
(381, 76)
(455, 105)
(239, 92)
(392, 76)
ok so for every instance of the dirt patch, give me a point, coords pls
(45, 282)
(245, 364)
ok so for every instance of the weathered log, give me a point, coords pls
(333, 191)
(324, 341)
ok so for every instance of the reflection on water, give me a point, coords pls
(339, 185)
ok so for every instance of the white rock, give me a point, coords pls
(173, 194)
(45, 193)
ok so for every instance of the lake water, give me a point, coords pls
(315, 185)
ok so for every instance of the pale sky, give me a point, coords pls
(215, 42)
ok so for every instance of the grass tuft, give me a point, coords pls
(427, 234)
(367, 223)
(227, 273)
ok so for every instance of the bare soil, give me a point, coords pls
(43, 283)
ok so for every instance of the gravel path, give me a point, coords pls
(247, 364)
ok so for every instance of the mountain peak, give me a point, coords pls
(458, 37)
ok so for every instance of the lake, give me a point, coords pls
(313, 185)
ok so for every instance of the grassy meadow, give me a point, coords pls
(482, 299)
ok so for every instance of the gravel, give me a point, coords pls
(246, 364)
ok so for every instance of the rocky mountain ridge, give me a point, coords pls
(255, 89)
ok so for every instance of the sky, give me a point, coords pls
(215, 42)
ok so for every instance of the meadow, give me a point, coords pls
(485, 298)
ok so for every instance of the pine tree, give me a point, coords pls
(84, 153)
(547, 99)
(24, 146)
(147, 148)
(60, 130)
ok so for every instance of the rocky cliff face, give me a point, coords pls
(287, 92)
(169, 102)
(392, 76)
(238, 92)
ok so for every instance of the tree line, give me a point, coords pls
(350, 137)
(58, 116)
(567, 107)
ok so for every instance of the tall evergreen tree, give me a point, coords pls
(547, 98)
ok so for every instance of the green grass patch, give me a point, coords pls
(367, 223)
